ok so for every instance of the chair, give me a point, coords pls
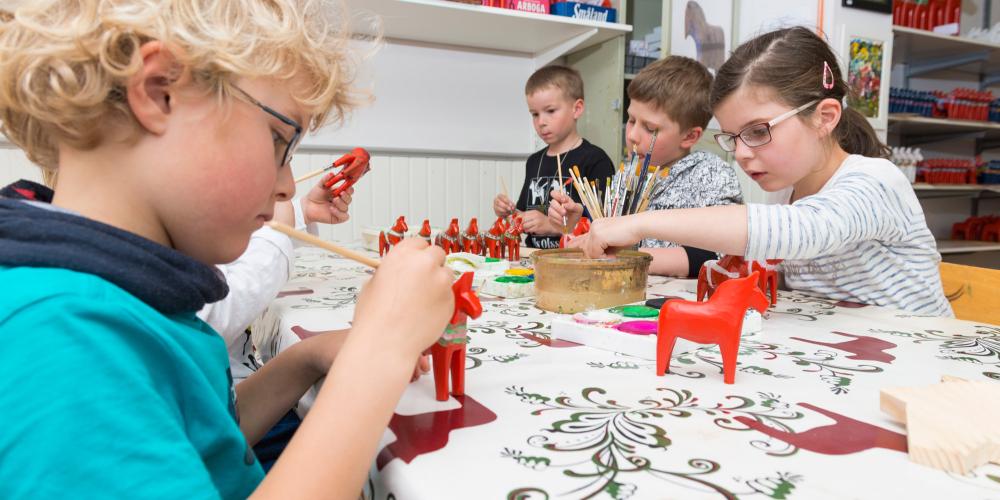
(974, 292)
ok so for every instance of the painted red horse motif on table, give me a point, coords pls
(844, 436)
(717, 321)
(392, 237)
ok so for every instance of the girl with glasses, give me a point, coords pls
(844, 219)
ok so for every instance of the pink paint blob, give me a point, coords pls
(642, 327)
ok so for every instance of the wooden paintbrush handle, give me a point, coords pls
(325, 245)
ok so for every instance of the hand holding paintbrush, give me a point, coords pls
(502, 204)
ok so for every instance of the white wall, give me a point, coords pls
(441, 99)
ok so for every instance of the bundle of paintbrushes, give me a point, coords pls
(626, 193)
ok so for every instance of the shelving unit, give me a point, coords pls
(944, 188)
(947, 247)
(921, 54)
(925, 52)
(543, 37)
(915, 130)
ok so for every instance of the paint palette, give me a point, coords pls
(512, 284)
(485, 268)
(629, 329)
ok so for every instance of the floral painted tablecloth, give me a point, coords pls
(550, 419)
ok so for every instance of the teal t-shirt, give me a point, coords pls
(103, 396)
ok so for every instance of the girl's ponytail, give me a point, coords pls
(856, 136)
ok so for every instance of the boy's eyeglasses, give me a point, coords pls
(758, 134)
(281, 155)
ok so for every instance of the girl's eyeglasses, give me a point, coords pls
(281, 155)
(758, 134)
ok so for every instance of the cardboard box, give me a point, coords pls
(584, 11)
(535, 6)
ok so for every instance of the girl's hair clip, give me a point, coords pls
(828, 80)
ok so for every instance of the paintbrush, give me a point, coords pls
(563, 188)
(644, 172)
(310, 175)
(325, 245)
(503, 190)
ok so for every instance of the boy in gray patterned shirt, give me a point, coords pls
(670, 97)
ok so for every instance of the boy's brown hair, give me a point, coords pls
(679, 87)
(564, 78)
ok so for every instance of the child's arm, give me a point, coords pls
(722, 229)
(671, 261)
(400, 312)
(858, 207)
(272, 390)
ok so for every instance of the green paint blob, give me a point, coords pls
(636, 311)
(492, 259)
(515, 279)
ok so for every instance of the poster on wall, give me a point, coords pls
(702, 29)
(864, 75)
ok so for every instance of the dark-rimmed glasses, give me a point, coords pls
(758, 134)
(290, 145)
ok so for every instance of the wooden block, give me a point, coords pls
(952, 426)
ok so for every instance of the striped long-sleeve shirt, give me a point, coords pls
(862, 237)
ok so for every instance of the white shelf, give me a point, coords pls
(910, 44)
(630, 76)
(916, 124)
(957, 187)
(543, 37)
(963, 246)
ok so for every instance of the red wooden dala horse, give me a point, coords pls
(395, 234)
(717, 321)
(512, 238)
(472, 242)
(425, 232)
(494, 239)
(449, 351)
(732, 266)
(448, 240)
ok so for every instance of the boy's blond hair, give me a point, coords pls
(64, 63)
(677, 86)
(564, 78)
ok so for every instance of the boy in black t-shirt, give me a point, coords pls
(555, 101)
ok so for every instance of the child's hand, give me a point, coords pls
(318, 206)
(409, 301)
(606, 235)
(536, 222)
(560, 206)
(502, 206)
